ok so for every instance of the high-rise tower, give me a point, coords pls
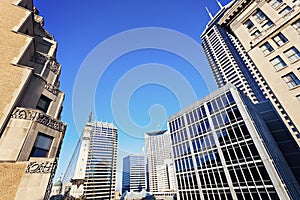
(31, 132)
(95, 172)
(160, 168)
(134, 173)
(255, 46)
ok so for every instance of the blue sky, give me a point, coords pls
(156, 65)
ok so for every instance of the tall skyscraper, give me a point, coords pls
(95, 172)
(160, 168)
(134, 173)
(31, 131)
(225, 147)
(254, 45)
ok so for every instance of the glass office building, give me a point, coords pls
(224, 147)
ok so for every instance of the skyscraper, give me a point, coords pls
(95, 172)
(254, 45)
(160, 168)
(31, 131)
(225, 147)
(134, 173)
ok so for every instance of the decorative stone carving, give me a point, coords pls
(40, 168)
(51, 88)
(53, 66)
(38, 116)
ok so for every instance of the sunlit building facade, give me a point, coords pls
(160, 167)
(255, 46)
(225, 147)
(31, 131)
(95, 172)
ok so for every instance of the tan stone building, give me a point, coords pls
(31, 132)
(263, 38)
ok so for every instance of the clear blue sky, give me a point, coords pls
(133, 63)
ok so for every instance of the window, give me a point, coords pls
(259, 16)
(249, 24)
(266, 48)
(285, 11)
(275, 3)
(255, 33)
(278, 63)
(280, 39)
(291, 80)
(43, 103)
(292, 54)
(298, 97)
(296, 25)
(267, 25)
(41, 146)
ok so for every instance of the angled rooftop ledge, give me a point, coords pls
(38, 116)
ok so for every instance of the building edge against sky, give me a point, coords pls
(226, 147)
(255, 46)
(31, 103)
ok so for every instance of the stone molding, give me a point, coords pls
(38, 116)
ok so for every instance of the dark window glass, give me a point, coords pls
(41, 146)
(43, 103)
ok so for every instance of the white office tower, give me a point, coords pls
(160, 168)
(95, 171)
(134, 173)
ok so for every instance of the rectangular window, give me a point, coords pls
(298, 97)
(296, 25)
(267, 25)
(285, 11)
(266, 48)
(249, 24)
(291, 80)
(43, 103)
(292, 54)
(41, 146)
(275, 3)
(255, 33)
(259, 16)
(280, 39)
(278, 63)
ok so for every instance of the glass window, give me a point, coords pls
(275, 3)
(43, 103)
(41, 146)
(285, 11)
(267, 25)
(249, 24)
(259, 16)
(278, 63)
(292, 54)
(266, 48)
(291, 80)
(280, 39)
(298, 97)
(296, 25)
(255, 33)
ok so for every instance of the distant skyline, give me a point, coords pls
(146, 80)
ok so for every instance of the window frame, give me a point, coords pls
(280, 39)
(43, 100)
(295, 56)
(280, 63)
(266, 48)
(38, 150)
(291, 80)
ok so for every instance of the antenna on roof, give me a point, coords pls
(220, 5)
(90, 117)
(211, 17)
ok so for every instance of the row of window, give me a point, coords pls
(292, 54)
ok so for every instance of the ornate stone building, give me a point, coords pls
(31, 132)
